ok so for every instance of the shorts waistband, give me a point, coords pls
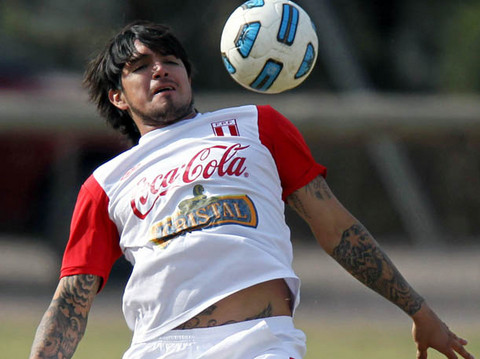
(222, 331)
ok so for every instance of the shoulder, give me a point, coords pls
(264, 115)
(261, 110)
(112, 170)
(271, 118)
(244, 109)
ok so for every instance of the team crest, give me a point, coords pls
(225, 128)
(201, 211)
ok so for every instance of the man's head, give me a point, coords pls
(142, 76)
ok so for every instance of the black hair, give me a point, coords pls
(104, 72)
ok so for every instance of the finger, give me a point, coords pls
(447, 349)
(421, 354)
(450, 354)
(459, 346)
(460, 349)
(457, 338)
(464, 354)
(463, 341)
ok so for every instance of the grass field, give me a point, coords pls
(108, 339)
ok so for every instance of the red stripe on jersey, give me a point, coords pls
(295, 163)
(218, 131)
(93, 246)
(233, 130)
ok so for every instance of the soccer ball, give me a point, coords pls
(269, 46)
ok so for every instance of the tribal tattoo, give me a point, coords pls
(201, 320)
(64, 323)
(359, 254)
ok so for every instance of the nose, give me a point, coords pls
(159, 71)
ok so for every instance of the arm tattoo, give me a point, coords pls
(201, 320)
(64, 323)
(358, 253)
(317, 189)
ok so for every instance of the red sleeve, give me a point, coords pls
(93, 246)
(295, 163)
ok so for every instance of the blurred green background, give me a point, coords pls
(399, 45)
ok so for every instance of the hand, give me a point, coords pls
(430, 332)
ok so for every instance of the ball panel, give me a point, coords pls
(307, 62)
(289, 24)
(246, 38)
(253, 3)
(267, 76)
(266, 15)
(228, 65)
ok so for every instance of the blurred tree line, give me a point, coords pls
(402, 45)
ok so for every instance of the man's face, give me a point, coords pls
(156, 90)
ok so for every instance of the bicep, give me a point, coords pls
(325, 215)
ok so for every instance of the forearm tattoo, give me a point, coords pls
(207, 318)
(358, 253)
(64, 323)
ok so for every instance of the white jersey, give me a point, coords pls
(198, 209)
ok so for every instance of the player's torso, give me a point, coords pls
(199, 211)
(206, 172)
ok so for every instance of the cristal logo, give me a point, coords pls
(220, 160)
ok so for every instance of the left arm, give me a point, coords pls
(344, 238)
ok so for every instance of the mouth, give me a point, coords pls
(163, 89)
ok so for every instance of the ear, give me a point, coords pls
(117, 99)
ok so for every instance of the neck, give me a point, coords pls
(146, 125)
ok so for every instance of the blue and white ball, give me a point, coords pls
(269, 46)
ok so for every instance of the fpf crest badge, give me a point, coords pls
(225, 128)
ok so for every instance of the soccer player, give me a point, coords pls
(197, 207)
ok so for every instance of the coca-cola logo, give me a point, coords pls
(220, 160)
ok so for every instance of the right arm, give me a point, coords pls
(352, 246)
(63, 324)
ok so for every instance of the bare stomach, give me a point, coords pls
(268, 299)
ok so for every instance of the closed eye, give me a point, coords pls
(139, 68)
(170, 59)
